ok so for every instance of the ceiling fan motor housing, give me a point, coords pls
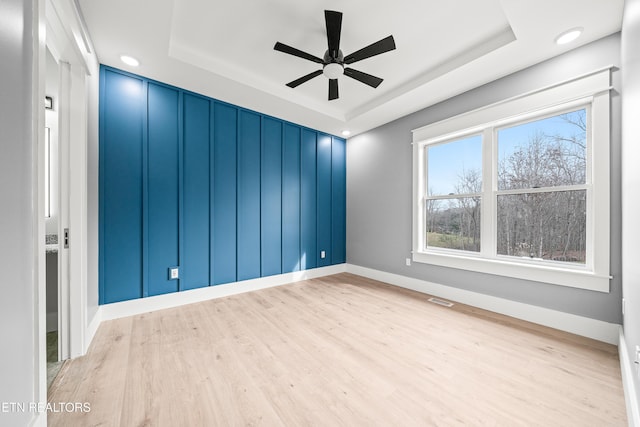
(333, 67)
(328, 59)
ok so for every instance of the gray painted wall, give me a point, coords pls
(18, 289)
(379, 180)
(631, 177)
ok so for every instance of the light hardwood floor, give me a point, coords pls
(338, 351)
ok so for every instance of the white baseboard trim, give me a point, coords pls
(579, 325)
(630, 393)
(91, 329)
(159, 302)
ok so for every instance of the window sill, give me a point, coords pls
(556, 275)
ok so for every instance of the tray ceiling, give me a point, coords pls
(225, 49)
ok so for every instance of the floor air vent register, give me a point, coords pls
(440, 302)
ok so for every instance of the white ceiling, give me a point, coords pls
(224, 49)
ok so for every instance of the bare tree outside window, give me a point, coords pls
(541, 196)
(548, 156)
(455, 170)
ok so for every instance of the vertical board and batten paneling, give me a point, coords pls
(308, 200)
(162, 211)
(248, 257)
(271, 197)
(196, 259)
(338, 201)
(121, 149)
(222, 193)
(290, 198)
(324, 200)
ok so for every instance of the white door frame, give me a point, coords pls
(63, 209)
(67, 48)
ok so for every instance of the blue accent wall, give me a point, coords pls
(248, 173)
(196, 193)
(224, 218)
(271, 198)
(161, 213)
(323, 206)
(291, 198)
(122, 109)
(220, 192)
(308, 202)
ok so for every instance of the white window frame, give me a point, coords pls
(590, 91)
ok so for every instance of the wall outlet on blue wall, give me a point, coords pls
(323, 254)
(174, 273)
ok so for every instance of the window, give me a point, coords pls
(454, 194)
(542, 191)
(511, 189)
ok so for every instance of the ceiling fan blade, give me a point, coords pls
(333, 89)
(365, 78)
(333, 22)
(281, 47)
(303, 79)
(381, 46)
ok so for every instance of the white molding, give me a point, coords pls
(481, 48)
(525, 269)
(91, 330)
(77, 213)
(579, 325)
(630, 392)
(160, 302)
(541, 99)
(65, 327)
(65, 36)
(38, 379)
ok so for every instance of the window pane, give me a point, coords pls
(454, 223)
(455, 167)
(549, 226)
(543, 153)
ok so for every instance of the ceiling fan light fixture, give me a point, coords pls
(333, 70)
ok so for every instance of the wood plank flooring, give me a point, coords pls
(338, 351)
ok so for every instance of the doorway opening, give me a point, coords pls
(52, 216)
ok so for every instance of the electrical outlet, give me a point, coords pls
(174, 273)
(637, 359)
(407, 261)
(623, 306)
(323, 254)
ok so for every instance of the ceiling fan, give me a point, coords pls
(333, 62)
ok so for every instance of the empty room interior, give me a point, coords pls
(320, 213)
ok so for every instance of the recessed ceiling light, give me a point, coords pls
(346, 132)
(569, 36)
(129, 60)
